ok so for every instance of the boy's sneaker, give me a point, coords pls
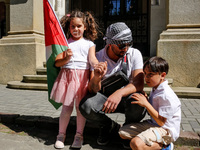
(169, 147)
(60, 141)
(78, 141)
(105, 133)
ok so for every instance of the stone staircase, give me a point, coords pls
(39, 82)
(31, 82)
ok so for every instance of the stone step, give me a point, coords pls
(35, 78)
(41, 71)
(182, 92)
(27, 86)
(42, 78)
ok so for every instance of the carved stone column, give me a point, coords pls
(180, 43)
(59, 7)
(23, 50)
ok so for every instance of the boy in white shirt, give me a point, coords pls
(163, 106)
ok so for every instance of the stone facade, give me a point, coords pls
(178, 21)
(180, 43)
(157, 24)
(23, 49)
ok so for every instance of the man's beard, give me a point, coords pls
(120, 55)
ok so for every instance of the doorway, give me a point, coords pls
(135, 13)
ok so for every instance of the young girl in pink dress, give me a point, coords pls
(71, 84)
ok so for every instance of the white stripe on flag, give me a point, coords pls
(48, 51)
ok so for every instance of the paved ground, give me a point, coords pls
(29, 104)
(17, 138)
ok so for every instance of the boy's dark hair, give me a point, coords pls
(157, 64)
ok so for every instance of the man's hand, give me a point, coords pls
(112, 102)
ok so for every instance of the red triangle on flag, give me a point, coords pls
(53, 30)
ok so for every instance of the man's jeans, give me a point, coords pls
(91, 108)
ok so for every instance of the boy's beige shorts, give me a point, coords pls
(148, 132)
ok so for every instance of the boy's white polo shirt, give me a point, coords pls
(168, 105)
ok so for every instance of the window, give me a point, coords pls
(114, 7)
(122, 7)
(131, 7)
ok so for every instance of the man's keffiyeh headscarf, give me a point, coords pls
(118, 33)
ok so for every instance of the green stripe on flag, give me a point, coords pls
(53, 71)
(57, 49)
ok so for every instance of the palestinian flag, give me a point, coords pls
(55, 42)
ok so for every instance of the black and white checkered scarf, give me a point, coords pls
(118, 33)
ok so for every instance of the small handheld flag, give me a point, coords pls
(55, 42)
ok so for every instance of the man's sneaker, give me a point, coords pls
(105, 133)
(169, 147)
(126, 144)
(78, 141)
(60, 141)
(104, 136)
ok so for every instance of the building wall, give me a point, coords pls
(23, 49)
(180, 43)
(157, 23)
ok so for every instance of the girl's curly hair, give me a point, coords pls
(92, 28)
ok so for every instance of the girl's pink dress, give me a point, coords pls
(67, 89)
